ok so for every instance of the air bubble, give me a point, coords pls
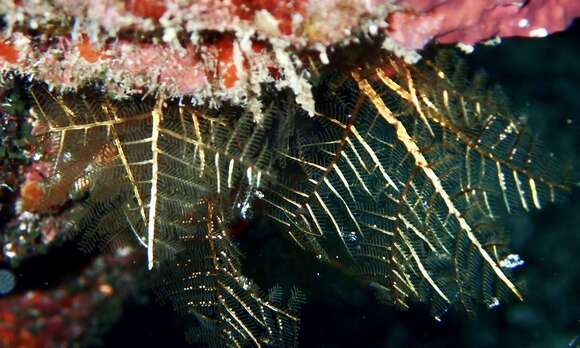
(245, 282)
(494, 302)
(350, 236)
(7, 281)
(511, 261)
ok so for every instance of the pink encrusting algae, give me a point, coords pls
(469, 21)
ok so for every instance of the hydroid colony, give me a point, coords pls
(403, 171)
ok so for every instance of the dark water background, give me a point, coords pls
(542, 78)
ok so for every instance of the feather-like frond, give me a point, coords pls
(401, 174)
(171, 178)
(408, 171)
